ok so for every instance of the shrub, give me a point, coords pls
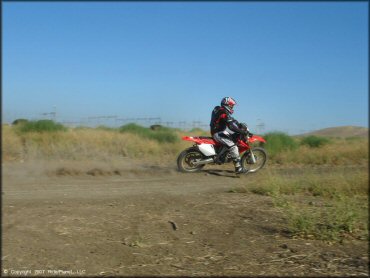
(41, 126)
(162, 134)
(314, 141)
(19, 121)
(277, 142)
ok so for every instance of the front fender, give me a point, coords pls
(256, 138)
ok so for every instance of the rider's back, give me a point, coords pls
(218, 119)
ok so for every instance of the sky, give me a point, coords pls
(291, 66)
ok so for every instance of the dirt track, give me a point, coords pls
(137, 219)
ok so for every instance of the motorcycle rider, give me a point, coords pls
(223, 126)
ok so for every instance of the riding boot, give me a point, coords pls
(238, 167)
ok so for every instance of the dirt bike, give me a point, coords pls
(207, 151)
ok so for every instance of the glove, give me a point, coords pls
(244, 133)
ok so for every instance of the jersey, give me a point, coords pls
(222, 121)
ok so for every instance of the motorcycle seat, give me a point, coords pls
(205, 137)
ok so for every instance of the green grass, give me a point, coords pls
(40, 126)
(161, 135)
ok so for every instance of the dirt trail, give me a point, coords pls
(138, 219)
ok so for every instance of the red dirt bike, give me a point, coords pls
(208, 151)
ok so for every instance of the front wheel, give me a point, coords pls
(253, 165)
(186, 159)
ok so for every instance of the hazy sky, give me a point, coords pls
(295, 66)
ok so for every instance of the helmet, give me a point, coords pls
(228, 103)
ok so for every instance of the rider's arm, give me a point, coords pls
(232, 124)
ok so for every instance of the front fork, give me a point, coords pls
(252, 159)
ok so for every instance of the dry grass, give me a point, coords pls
(11, 145)
(104, 144)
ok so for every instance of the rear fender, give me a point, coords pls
(198, 140)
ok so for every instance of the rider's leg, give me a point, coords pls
(233, 149)
(236, 159)
(223, 148)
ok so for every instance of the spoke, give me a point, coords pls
(189, 160)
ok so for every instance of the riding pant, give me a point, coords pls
(222, 138)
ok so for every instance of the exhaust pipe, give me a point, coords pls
(203, 161)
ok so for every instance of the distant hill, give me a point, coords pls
(341, 131)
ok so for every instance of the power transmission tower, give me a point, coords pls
(182, 124)
(52, 114)
(196, 123)
(260, 126)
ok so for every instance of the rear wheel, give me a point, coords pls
(186, 159)
(260, 157)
